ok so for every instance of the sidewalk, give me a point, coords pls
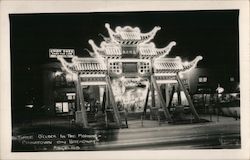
(133, 125)
(153, 124)
(197, 135)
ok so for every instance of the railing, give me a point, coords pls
(227, 104)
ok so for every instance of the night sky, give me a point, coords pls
(212, 34)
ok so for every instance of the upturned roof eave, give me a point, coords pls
(117, 37)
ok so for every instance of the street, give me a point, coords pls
(222, 134)
(207, 135)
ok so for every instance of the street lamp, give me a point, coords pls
(58, 73)
(30, 107)
(219, 91)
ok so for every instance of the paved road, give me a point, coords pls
(208, 135)
(222, 134)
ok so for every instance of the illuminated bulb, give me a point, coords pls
(91, 41)
(200, 57)
(157, 27)
(107, 25)
(185, 63)
(122, 78)
(74, 76)
(69, 77)
(177, 57)
(74, 59)
(181, 75)
(173, 43)
(58, 73)
(220, 89)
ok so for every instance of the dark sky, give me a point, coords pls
(212, 34)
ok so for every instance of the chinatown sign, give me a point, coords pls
(66, 53)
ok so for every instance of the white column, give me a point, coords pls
(101, 92)
(167, 94)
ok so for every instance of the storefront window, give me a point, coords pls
(202, 79)
(62, 107)
(65, 107)
(58, 107)
(71, 96)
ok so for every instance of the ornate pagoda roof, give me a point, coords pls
(174, 65)
(106, 49)
(166, 65)
(129, 36)
(84, 65)
(149, 50)
(98, 66)
(112, 48)
(190, 65)
(146, 50)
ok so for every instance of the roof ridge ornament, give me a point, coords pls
(127, 29)
(162, 52)
(190, 65)
(110, 32)
(106, 39)
(92, 54)
(123, 41)
(150, 35)
(66, 65)
(97, 50)
(128, 33)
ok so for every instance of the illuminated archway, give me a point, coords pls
(129, 56)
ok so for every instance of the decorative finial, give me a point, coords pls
(173, 43)
(86, 49)
(158, 27)
(107, 25)
(91, 41)
(200, 57)
(178, 57)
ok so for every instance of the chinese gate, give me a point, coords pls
(129, 58)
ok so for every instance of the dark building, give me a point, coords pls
(206, 80)
(59, 91)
